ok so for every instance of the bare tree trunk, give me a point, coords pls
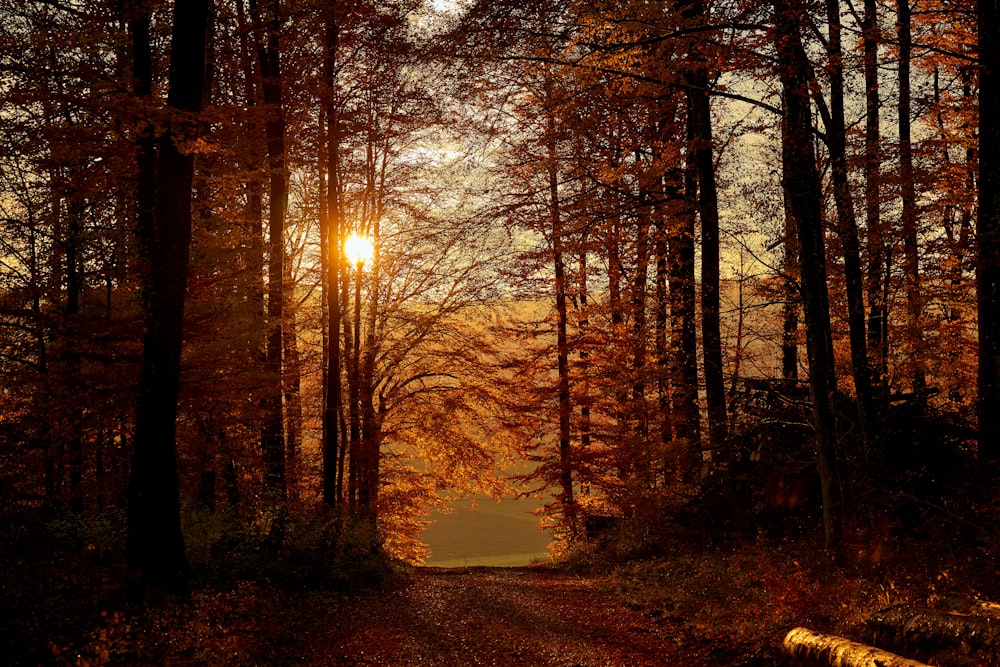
(352, 346)
(988, 231)
(291, 386)
(670, 465)
(847, 226)
(877, 260)
(273, 435)
(700, 119)
(803, 192)
(803, 644)
(684, 403)
(639, 335)
(790, 268)
(911, 250)
(154, 542)
(254, 211)
(583, 329)
(562, 343)
(971, 637)
(331, 253)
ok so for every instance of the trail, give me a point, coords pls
(496, 616)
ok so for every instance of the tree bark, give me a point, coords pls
(792, 298)
(291, 385)
(988, 231)
(847, 225)
(330, 253)
(804, 644)
(566, 495)
(683, 335)
(800, 180)
(639, 343)
(911, 250)
(700, 118)
(273, 433)
(154, 542)
(876, 268)
(926, 632)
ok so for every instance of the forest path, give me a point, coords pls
(497, 616)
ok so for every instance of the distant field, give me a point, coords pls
(503, 534)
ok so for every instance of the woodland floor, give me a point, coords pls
(692, 607)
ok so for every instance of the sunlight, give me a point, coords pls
(359, 249)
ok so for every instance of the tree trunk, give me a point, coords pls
(639, 336)
(792, 297)
(700, 120)
(566, 495)
(800, 180)
(847, 226)
(583, 331)
(670, 463)
(291, 386)
(988, 231)
(876, 269)
(253, 253)
(911, 250)
(330, 253)
(154, 542)
(806, 645)
(684, 404)
(273, 434)
(928, 632)
(371, 426)
(352, 346)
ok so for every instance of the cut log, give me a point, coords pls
(928, 632)
(833, 651)
(984, 608)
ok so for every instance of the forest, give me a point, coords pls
(715, 280)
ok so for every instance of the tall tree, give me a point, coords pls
(154, 542)
(268, 29)
(988, 231)
(907, 191)
(847, 226)
(800, 180)
(331, 259)
(558, 243)
(701, 148)
(876, 265)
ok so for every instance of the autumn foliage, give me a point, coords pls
(697, 270)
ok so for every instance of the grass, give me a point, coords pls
(499, 534)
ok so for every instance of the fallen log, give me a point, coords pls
(928, 632)
(833, 651)
(984, 608)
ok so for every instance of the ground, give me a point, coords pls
(449, 617)
(728, 606)
(500, 616)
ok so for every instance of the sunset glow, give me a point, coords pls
(358, 249)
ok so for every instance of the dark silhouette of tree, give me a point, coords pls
(267, 27)
(988, 231)
(155, 545)
(800, 180)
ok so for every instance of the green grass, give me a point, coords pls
(503, 534)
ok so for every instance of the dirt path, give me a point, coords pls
(497, 616)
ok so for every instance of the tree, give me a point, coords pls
(847, 227)
(155, 545)
(908, 227)
(330, 239)
(876, 266)
(700, 124)
(267, 26)
(988, 231)
(800, 181)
